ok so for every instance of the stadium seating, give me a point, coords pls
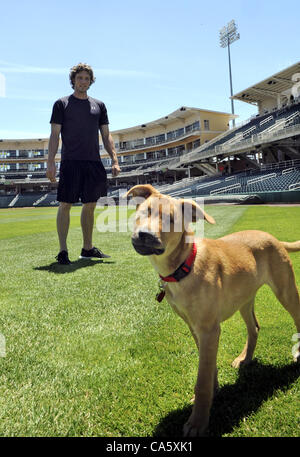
(272, 180)
(267, 123)
(5, 200)
(285, 178)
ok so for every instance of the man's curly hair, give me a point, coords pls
(81, 67)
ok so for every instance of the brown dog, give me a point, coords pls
(206, 282)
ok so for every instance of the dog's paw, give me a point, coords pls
(297, 358)
(240, 361)
(193, 430)
(192, 400)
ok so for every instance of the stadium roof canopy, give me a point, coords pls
(181, 113)
(273, 86)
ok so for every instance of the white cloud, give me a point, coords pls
(2, 85)
(8, 67)
(22, 134)
(31, 97)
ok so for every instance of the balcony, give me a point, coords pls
(159, 140)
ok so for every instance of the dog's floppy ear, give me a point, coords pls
(142, 190)
(194, 212)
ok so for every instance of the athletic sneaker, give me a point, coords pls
(63, 258)
(94, 252)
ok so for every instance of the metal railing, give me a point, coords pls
(261, 178)
(294, 186)
(280, 165)
(256, 139)
(208, 184)
(140, 144)
(226, 189)
(288, 170)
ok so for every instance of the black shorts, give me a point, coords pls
(81, 179)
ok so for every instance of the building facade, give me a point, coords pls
(23, 162)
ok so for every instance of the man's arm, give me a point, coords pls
(110, 148)
(52, 150)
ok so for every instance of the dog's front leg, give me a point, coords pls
(204, 389)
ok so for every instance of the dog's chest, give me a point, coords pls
(177, 298)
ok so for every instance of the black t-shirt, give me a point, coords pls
(80, 120)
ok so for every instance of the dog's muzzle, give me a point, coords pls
(146, 243)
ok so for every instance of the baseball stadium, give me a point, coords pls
(190, 152)
(102, 361)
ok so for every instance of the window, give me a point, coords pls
(192, 127)
(127, 159)
(161, 154)
(150, 140)
(137, 143)
(139, 157)
(179, 132)
(170, 135)
(206, 124)
(196, 144)
(160, 138)
(150, 155)
(106, 162)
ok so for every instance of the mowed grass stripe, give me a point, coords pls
(90, 326)
(91, 353)
(22, 222)
(265, 397)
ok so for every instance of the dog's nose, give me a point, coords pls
(146, 243)
(146, 237)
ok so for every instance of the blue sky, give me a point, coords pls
(149, 58)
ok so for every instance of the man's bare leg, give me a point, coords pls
(62, 224)
(87, 224)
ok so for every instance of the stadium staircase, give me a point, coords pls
(28, 200)
(14, 201)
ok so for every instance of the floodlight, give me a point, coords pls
(228, 35)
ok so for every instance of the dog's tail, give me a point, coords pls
(291, 247)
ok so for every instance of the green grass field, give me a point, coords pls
(89, 352)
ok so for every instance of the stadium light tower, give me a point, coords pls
(229, 35)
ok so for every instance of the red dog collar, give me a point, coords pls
(184, 269)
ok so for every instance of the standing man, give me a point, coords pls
(78, 118)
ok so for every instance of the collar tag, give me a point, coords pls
(161, 294)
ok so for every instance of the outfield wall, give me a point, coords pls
(48, 200)
(281, 197)
(257, 198)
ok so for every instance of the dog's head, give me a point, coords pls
(161, 220)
